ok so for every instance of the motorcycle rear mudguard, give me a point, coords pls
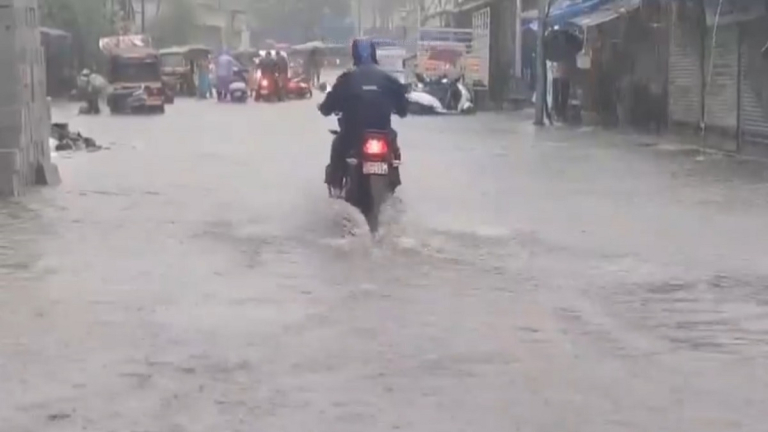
(368, 193)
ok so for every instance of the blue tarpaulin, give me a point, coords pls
(583, 13)
(563, 11)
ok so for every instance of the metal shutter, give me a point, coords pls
(721, 99)
(684, 75)
(754, 84)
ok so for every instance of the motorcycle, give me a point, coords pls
(268, 90)
(238, 90)
(369, 179)
(298, 88)
(439, 95)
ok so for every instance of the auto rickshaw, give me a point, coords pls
(179, 68)
(134, 75)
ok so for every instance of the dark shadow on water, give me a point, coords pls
(21, 229)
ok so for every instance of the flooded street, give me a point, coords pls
(195, 278)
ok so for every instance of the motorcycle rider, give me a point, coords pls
(366, 97)
(269, 68)
(282, 69)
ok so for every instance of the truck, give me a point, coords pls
(452, 51)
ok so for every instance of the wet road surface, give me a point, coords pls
(194, 277)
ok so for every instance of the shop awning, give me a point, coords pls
(564, 10)
(583, 13)
(607, 12)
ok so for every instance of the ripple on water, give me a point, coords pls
(718, 314)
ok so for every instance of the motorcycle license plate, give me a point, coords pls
(377, 168)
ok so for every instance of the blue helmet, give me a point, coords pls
(363, 52)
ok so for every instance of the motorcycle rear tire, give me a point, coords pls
(379, 190)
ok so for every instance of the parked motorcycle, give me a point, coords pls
(369, 180)
(298, 88)
(268, 90)
(440, 95)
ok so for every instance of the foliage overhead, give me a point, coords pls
(86, 20)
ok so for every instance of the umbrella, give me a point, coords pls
(562, 44)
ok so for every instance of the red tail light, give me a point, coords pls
(375, 146)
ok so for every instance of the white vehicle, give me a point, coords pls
(440, 95)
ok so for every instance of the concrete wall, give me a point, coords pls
(228, 19)
(24, 109)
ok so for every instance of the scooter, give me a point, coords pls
(439, 95)
(238, 90)
(298, 88)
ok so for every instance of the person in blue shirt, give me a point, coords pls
(225, 73)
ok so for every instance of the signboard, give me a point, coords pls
(450, 35)
(732, 11)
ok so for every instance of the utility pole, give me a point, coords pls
(359, 18)
(518, 39)
(143, 16)
(541, 65)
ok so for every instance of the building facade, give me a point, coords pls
(25, 157)
(222, 23)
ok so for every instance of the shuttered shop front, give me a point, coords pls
(721, 98)
(685, 75)
(754, 84)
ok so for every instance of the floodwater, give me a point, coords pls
(194, 277)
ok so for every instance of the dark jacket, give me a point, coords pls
(282, 64)
(268, 66)
(366, 97)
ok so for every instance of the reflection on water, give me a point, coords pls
(21, 229)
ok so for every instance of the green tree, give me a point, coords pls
(176, 23)
(86, 20)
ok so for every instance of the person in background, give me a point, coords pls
(91, 86)
(212, 74)
(268, 65)
(225, 73)
(253, 77)
(314, 65)
(561, 89)
(282, 70)
(204, 79)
